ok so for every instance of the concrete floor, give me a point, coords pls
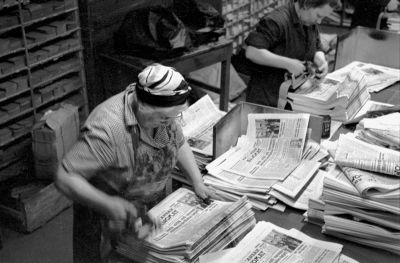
(51, 243)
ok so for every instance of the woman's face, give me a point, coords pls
(152, 117)
(312, 16)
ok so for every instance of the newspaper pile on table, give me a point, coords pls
(352, 152)
(274, 158)
(377, 77)
(340, 98)
(190, 228)
(361, 195)
(383, 130)
(270, 243)
(197, 126)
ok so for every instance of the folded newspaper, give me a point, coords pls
(352, 152)
(270, 243)
(341, 99)
(197, 125)
(275, 160)
(383, 130)
(271, 150)
(377, 77)
(189, 228)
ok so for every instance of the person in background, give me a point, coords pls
(282, 42)
(120, 165)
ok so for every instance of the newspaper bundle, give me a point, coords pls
(351, 210)
(190, 228)
(377, 77)
(383, 130)
(272, 147)
(355, 153)
(339, 98)
(273, 161)
(270, 243)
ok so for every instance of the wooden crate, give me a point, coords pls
(36, 209)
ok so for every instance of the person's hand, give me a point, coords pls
(121, 214)
(204, 192)
(121, 209)
(321, 64)
(296, 67)
(124, 218)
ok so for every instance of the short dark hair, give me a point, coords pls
(318, 3)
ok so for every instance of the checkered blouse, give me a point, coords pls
(114, 150)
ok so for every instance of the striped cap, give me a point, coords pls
(162, 86)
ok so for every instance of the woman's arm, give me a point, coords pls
(267, 58)
(188, 166)
(77, 188)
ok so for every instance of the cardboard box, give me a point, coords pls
(4, 116)
(8, 87)
(17, 129)
(24, 103)
(52, 137)
(11, 108)
(22, 83)
(46, 93)
(5, 134)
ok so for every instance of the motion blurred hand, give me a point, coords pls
(124, 218)
(296, 67)
(204, 192)
(321, 64)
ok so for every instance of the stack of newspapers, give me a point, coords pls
(274, 160)
(383, 130)
(197, 126)
(270, 243)
(361, 195)
(339, 98)
(377, 77)
(189, 228)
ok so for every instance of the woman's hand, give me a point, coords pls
(204, 192)
(121, 209)
(124, 217)
(321, 63)
(296, 67)
(121, 214)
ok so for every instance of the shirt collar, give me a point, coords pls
(293, 14)
(129, 100)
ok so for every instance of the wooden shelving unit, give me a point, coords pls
(241, 16)
(41, 66)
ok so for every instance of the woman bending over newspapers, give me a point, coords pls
(120, 165)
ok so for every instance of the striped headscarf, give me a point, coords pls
(161, 86)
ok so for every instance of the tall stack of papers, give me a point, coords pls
(273, 161)
(383, 131)
(270, 243)
(197, 126)
(361, 199)
(339, 98)
(190, 228)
